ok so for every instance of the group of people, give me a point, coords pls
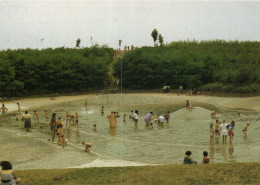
(188, 159)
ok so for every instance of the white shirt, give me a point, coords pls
(135, 116)
(161, 119)
(223, 127)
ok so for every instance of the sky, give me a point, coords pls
(57, 23)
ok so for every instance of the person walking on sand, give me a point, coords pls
(223, 131)
(112, 120)
(27, 121)
(4, 110)
(245, 129)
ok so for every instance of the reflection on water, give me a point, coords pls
(161, 145)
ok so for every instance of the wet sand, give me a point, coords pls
(247, 103)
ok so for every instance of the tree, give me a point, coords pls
(120, 42)
(78, 43)
(161, 39)
(91, 40)
(154, 35)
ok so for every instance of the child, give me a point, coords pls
(217, 132)
(206, 158)
(230, 131)
(77, 120)
(36, 116)
(102, 110)
(60, 131)
(19, 108)
(136, 117)
(211, 131)
(188, 159)
(95, 128)
(67, 117)
(124, 117)
(87, 146)
(167, 116)
(213, 113)
(7, 174)
(245, 128)
(131, 116)
(223, 131)
(46, 115)
(151, 125)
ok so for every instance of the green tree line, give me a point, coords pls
(61, 70)
(218, 65)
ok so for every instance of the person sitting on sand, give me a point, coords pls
(188, 159)
(87, 146)
(205, 158)
(188, 105)
(7, 175)
(4, 110)
(245, 129)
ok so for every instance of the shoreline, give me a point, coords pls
(245, 103)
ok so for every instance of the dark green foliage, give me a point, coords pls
(61, 70)
(154, 34)
(225, 66)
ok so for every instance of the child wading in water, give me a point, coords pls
(167, 116)
(95, 128)
(87, 146)
(60, 131)
(7, 175)
(211, 131)
(245, 129)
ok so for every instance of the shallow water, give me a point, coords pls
(165, 144)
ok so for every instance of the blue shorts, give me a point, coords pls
(3, 113)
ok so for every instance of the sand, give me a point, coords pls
(247, 103)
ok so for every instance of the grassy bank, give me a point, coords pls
(228, 173)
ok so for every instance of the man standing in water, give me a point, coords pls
(27, 121)
(4, 110)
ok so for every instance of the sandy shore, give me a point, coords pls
(249, 103)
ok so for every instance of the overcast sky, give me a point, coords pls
(43, 24)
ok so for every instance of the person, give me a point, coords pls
(112, 120)
(136, 117)
(102, 110)
(160, 120)
(223, 131)
(217, 133)
(167, 116)
(8, 177)
(188, 105)
(77, 120)
(46, 115)
(60, 132)
(213, 113)
(230, 131)
(53, 126)
(27, 121)
(71, 119)
(67, 117)
(87, 146)
(86, 105)
(188, 159)
(211, 131)
(181, 88)
(19, 108)
(245, 129)
(117, 115)
(59, 124)
(206, 158)
(124, 117)
(148, 118)
(95, 127)
(4, 110)
(36, 116)
(151, 125)
(131, 116)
